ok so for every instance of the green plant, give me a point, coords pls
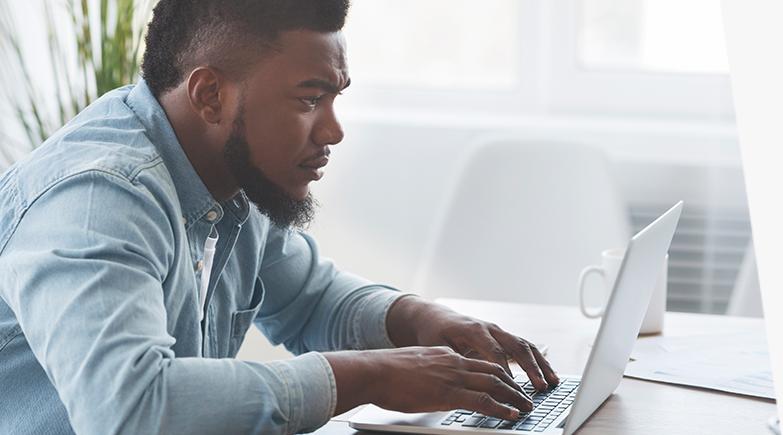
(91, 47)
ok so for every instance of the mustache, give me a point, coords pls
(322, 155)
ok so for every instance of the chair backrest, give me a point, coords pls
(746, 297)
(522, 221)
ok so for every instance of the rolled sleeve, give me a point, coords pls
(311, 390)
(370, 321)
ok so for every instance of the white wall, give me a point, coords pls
(387, 180)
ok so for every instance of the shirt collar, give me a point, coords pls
(195, 199)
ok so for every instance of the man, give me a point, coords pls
(132, 263)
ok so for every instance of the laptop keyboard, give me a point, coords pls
(547, 407)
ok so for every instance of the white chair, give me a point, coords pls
(746, 298)
(522, 221)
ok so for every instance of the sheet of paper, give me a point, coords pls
(737, 363)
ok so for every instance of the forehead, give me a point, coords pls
(306, 55)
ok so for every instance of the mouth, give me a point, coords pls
(314, 167)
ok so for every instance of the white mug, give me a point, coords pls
(611, 260)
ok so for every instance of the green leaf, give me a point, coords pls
(97, 50)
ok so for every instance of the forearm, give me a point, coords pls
(353, 376)
(406, 315)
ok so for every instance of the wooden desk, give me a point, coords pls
(637, 407)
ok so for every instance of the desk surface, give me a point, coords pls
(637, 406)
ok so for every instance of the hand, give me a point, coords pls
(414, 321)
(424, 379)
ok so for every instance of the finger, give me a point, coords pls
(485, 404)
(543, 364)
(470, 353)
(486, 367)
(499, 390)
(492, 351)
(523, 354)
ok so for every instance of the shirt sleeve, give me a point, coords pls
(83, 272)
(309, 305)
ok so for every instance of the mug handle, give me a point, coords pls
(582, 277)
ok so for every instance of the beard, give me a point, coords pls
(270, 199)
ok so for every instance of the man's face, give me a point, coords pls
(285, 123)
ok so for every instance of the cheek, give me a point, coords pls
(278, 145)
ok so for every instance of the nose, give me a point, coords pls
(328, 131)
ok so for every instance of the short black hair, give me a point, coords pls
(186, 33)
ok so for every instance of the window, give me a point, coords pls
(434, 44)
(653, 58)
(669, 36)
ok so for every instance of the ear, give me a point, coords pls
(207, 94)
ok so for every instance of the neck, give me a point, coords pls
(204, 152)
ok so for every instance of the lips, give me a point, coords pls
(316, 163)
(314, 167)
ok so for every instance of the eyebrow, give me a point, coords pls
(323, 85)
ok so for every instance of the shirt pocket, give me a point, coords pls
(242, 319)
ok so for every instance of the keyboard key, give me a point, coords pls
(507, 424)
(526, 426)
(473, 421)
(491, 423)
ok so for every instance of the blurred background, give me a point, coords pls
(645, 82)
(493, 148)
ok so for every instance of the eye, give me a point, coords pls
(311, 102)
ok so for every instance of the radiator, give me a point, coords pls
(705, 256)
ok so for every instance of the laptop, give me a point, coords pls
(563, 409)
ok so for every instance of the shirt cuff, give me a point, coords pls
(311, 388)
(370, 322)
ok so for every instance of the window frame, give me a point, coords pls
(575, 88)
(551, 81)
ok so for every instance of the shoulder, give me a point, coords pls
(106, 140)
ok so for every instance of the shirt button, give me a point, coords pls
(199, 265)
(184, 220)
(212, 215)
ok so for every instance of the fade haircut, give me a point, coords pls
(227, 34)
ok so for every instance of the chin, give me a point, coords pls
(299, 193)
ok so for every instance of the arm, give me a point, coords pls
(439, 376)
(84, 282)
(309, 305)
(413, 321)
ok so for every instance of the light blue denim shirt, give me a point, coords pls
(102, 232)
